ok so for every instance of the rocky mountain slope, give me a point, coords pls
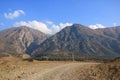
(18, 40)
(112, 32)
(76, 41)
(82, 43)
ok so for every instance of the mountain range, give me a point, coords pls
(76, 41)
(19, 40)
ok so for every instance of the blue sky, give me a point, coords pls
(86, 12)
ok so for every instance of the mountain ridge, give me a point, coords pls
(80, 40)
(77, 40)
(18, 40)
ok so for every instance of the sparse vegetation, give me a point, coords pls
(109, 70)
(17, 69)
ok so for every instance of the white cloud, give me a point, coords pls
(48, 28)
(35, 25)
(56, 28)
(13, 15)
(96, 26)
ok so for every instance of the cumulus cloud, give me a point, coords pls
(48, 28)
(56, 28)
(13, 15)
(35, 25)
(96, 26)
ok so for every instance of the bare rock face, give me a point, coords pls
(18, 40)
(82, 42)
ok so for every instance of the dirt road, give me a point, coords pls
(17, 69)
(46, 71)
(69, 71)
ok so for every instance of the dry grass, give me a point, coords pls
(16, 69)
(109, 70)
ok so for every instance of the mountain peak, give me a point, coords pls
(80, 41)
(24, 28)
(20, 40)
(77, 25)
(80, 27)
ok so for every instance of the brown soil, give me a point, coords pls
(16, 69)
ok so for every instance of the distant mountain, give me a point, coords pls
(18, 40)
(82, 43)
(112, 32)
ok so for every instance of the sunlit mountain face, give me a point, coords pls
(18, 40)
(83, 42)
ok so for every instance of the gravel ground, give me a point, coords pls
(45, 70)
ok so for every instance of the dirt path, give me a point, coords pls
(57, 70)
(46, 70)
(69, 71)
